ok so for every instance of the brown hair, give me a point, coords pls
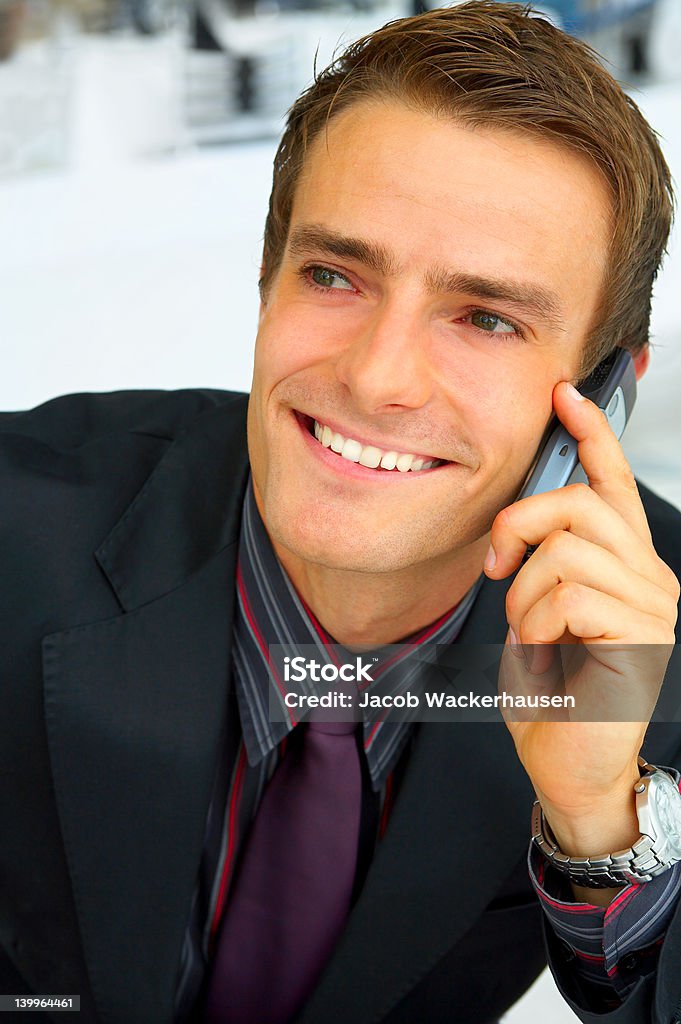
(497, 64)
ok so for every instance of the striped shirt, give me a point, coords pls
(270, 611)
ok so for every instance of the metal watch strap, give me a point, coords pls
(637, 864)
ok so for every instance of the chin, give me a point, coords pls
(313, 538)
(350, 547)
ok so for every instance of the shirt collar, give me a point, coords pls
(270, 611)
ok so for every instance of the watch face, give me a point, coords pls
(665, 802)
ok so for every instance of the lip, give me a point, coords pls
(343, 467)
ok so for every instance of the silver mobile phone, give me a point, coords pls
(612, 387)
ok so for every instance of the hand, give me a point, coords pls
(594, 580)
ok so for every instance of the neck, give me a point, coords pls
(363, 609)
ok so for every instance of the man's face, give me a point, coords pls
(438, 282)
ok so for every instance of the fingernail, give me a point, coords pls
(490, 559)
(516, 647)
(574, 393)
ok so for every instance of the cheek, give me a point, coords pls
(275, 357)
(507, 422)
(285, 343)
(526, 429)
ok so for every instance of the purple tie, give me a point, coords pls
(292, 894)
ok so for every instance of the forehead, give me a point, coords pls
(484, 200)
(393, 142)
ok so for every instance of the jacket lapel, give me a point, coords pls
(441, 861)
(134, 707)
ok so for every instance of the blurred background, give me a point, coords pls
(136, 143)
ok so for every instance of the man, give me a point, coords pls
(467, 215)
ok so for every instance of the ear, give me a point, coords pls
(641, 361)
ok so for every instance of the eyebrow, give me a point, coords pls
(540, 302)
(308, 239)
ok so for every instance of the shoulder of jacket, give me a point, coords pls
(659, 511)
(664, 520)
(70, 421)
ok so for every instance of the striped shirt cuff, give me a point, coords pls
(610, 948)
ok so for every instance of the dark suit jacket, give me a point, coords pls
(119, 518)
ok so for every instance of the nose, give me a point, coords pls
(385, 364)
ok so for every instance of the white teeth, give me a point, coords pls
(351, 450)
(389, 460)
(337, 442)
(369, 455)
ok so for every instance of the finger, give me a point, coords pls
(516, 681)
(576, 509)
(562, 557)
(601, 456)
(572, 608)
(537, 658)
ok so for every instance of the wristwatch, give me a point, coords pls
(658, 806)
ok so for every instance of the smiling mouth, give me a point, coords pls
(380, 459)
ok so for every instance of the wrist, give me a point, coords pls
(582, 851)
(603, 825)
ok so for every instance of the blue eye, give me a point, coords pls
(328, 279)
(489, 322)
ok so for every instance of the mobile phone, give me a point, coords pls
(612, 387)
